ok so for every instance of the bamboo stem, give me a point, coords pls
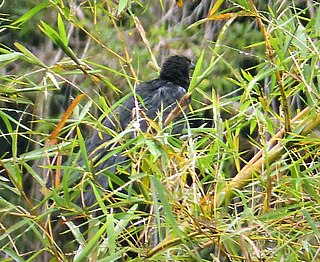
(257, 163)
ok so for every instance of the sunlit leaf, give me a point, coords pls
(11, 57)
(62, 31)
(196, 73)
(215, 7)
(31, 57)
(28, 15)
(122, 5)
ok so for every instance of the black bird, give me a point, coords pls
(153, 100)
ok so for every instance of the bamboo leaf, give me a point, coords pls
(111, 234)
(122, 5)
(11, 57)
(83, 256)
(159, 189)
(196, 73)
(52, 34)
(11, 253)
(53, 80)
(312, 223)
(28, 15)
(215, 7)
(31, 57)
(62, 31)
(196, 77)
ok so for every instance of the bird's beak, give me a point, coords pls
(192, 66)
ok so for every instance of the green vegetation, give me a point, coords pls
(244, 187)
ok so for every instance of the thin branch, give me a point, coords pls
(256, 164)
(178, 109)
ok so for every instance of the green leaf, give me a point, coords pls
(83, 149)
(10, 252)
(122, 5)
(11, 57)
(196, 73)
(34, 174)
(6, 121)
(75, 231)
(31, 57)
(196, 77)
(313, 224)
(59, 40)
(14, 228)
(153, 148)
(109, 84)
(62, 31)
(159, 189)
(53, 80)
(281, 212)
(32, 12)
(111, 234)
(197, 23)
(52, 34)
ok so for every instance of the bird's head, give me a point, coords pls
(176, 69)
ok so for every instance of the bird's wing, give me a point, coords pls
(156, 98)
(159, 98)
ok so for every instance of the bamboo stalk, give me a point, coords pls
(257, 163)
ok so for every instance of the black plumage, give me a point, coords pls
(153, 100)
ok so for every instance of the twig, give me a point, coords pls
(177, 110)
(145, 40)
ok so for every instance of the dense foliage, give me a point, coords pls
(241, 184)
